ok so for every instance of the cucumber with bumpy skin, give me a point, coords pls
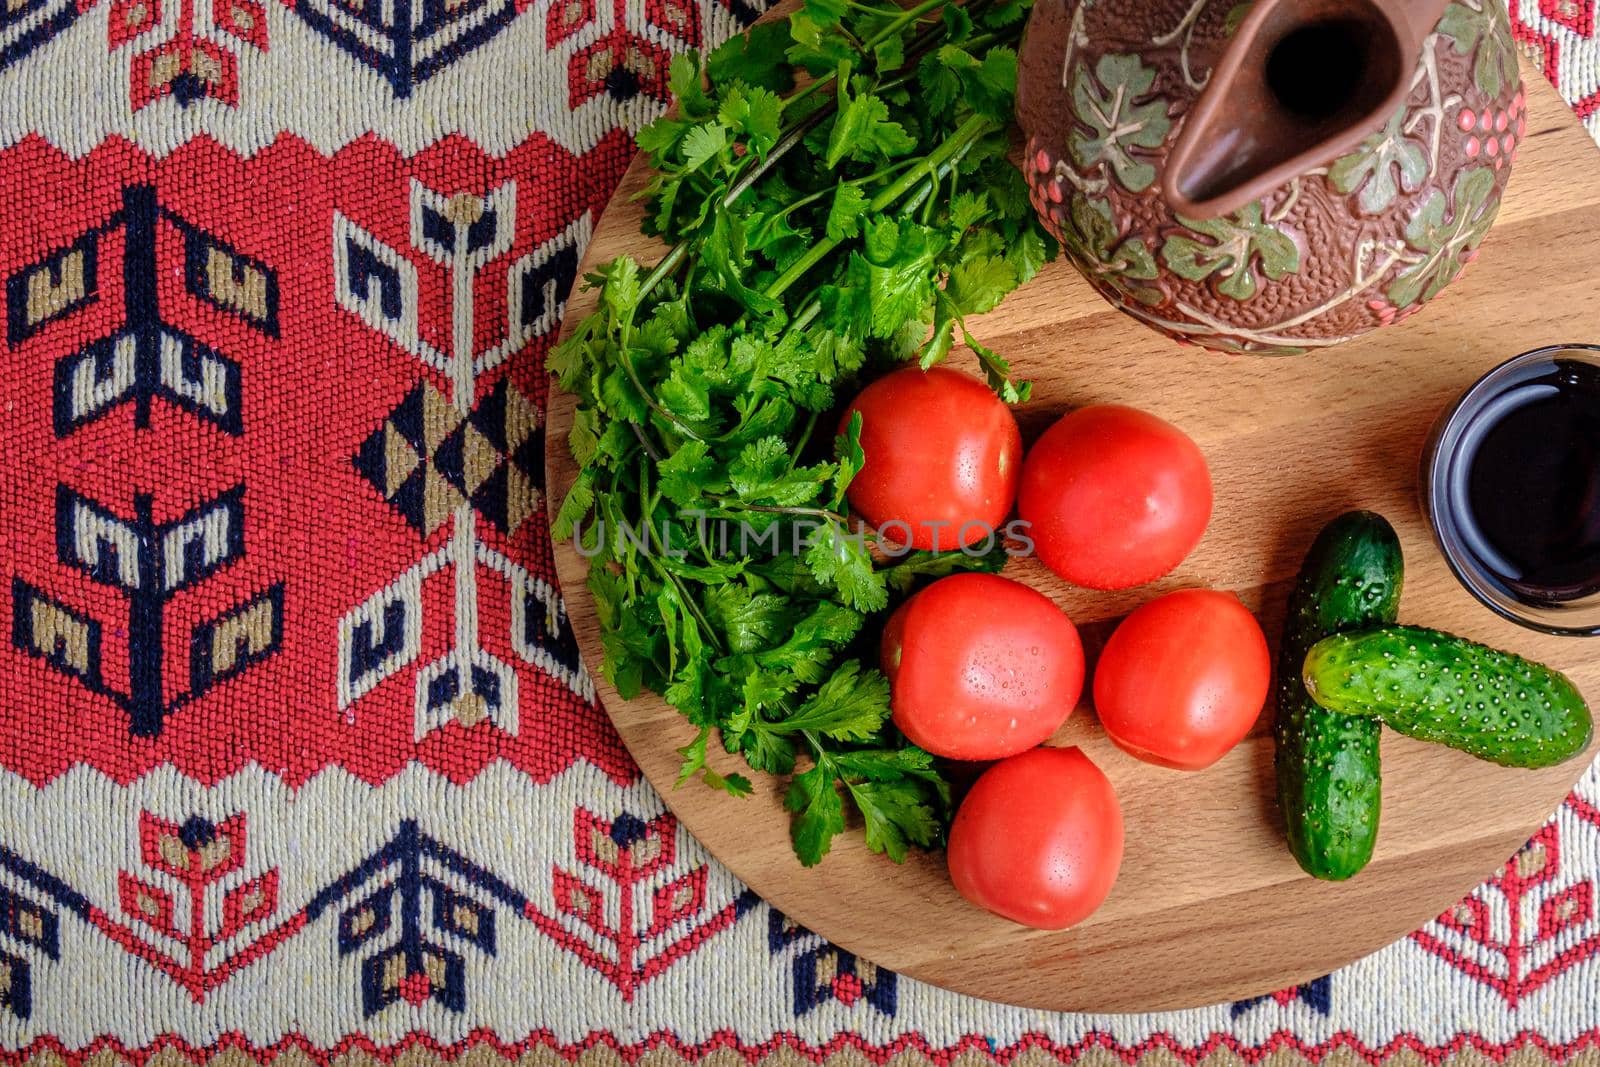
(1435, 687)
(1329, 782)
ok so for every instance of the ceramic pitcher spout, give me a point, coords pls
(1303, 82)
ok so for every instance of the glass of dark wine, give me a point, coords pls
(1511, 487)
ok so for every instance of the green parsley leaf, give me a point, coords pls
(687, 474)
(751, 621)
(889, 53)
(660, 137)
(978, 285)
(569, 360)
(850, 706)
(764, 690)
(631, 649)
(849, 456)
(694, 757)
(725, 251)
(763, 747)
(703, 144)
(814, 642)
(759, 416)
(1027, 254)
(899, 253)
(905, 575)
(863, 130)
(687, 692)
(940, 341)
(1005, 13)
(576, 504)
(991, 89)
(683, 78)
(735, 785)
(621, 291)
(825, 12)
(695, 763)
(939, 84)
(841, 560)
(584, 437)
(886, 764)
(834, 353)
(819, 812)
(818, 51)
(620, 398)
(762, 475)
(957, 24)
(998, 372)
(755, 58)
(844, 215)
(1008, 191)
(754, 112)
(897, 815)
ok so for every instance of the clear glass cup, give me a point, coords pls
(1446, 463)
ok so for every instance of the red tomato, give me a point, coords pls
(943, 457)
(981, 667)
(1038, 839)
(1183, 678)
(1114, 497)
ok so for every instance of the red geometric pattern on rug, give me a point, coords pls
(1535, 907)
(622, 854)
(314, 389)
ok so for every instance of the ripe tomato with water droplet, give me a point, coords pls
(981, 667)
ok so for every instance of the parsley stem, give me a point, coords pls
(911, 14)
(645, 442)
(650, 401)
(805, 439)
(810, 88)
(735, 504)
(669, 262)
(807, 314)
(876, 176)
(807, 201)
(927, 190)
(951, 148)
(694, 609)
(780, 149)
(883, 172)
(894, 27)
(959, 141)
(908, 73)
(814, 255)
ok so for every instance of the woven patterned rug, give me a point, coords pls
(299, 760)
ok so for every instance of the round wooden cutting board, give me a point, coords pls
(1209, 905)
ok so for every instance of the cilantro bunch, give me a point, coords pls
(818, 234)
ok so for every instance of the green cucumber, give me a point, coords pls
(1327, 763)
(1435, 687)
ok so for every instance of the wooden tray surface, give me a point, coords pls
(1209, 905)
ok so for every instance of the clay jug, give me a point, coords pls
(1272, 177)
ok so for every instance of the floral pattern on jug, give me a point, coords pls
(1360, 242)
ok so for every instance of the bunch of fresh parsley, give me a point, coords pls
(816, 233)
